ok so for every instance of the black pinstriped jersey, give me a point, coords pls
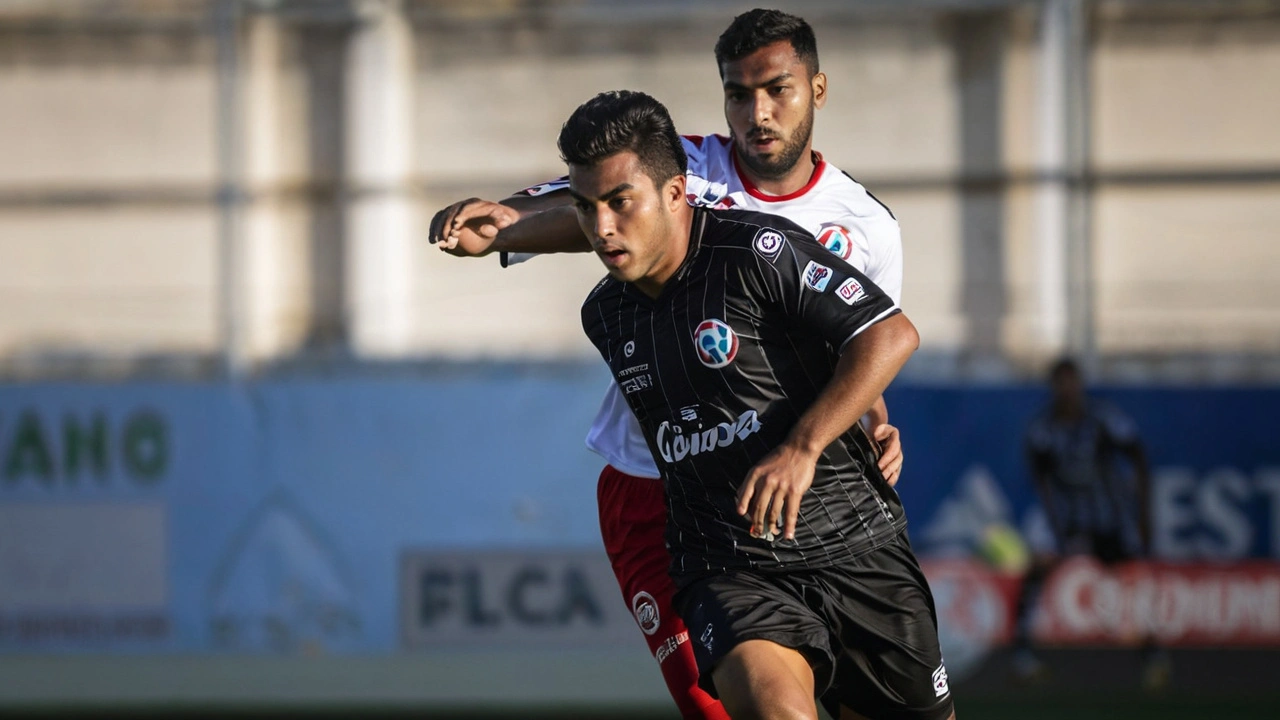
(718, 369)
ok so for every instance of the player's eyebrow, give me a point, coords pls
(603, 198)
(731, 85)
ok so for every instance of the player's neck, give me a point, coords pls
(677, 249)
(791, 182)
(1069, 410)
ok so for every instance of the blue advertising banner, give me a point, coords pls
(276, 516)
(1214, 453)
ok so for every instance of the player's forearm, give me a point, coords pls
(553, 230)
(867, 365)
(878, 415)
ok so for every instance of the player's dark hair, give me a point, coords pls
(622, 120)
(1062, 366)
(757, 28)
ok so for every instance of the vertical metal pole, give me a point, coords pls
(1065, 282)
(1053, 193)
(1081, 329)
(226, 17)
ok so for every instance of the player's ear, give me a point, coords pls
(819, 84)
(673, 192)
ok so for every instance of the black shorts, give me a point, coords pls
(868, 628)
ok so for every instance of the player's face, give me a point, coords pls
(1067, 387)
(769, 102)
(629, 219)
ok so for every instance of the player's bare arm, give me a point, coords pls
(539, 224)
(888, 441)
(771, 493)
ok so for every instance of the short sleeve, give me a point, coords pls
(825, 294)
(1119, 426)
(882, 238)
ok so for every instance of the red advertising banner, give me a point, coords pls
(1088, 603)
(1189, 605)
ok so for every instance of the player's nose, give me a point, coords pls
(761, 111)
(605, 226)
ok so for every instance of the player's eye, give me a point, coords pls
(779, 89)
(619, 203)
(736, 96)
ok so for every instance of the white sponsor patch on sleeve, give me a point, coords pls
(850, 291)
(816, 276)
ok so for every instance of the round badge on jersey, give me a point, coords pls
(836, 238)
(645, 608)
(768, 243)
(716, 342)
(629, 349)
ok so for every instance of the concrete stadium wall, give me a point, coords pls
(109, 231)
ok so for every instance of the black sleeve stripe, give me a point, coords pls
(870, 195)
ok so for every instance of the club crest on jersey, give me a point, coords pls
(768, 243)
(645, 608)
(836, 238)
(816, 276)
(716, 342)
(850, 291)
(629, 349)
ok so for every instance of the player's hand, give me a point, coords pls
(890, 442)
(771, 494)
(468, 228)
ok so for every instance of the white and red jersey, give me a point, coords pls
(839, 212)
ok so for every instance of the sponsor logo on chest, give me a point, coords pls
(674, 444)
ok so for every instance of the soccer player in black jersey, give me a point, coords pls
(748, 353)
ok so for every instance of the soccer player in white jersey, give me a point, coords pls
(772, 88)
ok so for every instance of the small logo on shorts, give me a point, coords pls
(629, 349)
(645, 609)
(768, 243)
(706, 638)
(940, 681)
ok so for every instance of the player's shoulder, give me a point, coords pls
(608, 287)
(706, 143)
(1040, 428)
(1110, 416)
(733, 226)
(602, 302)
(742, 229)
(856, 199)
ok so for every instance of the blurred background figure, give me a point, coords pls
(1091, 474)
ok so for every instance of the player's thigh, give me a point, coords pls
(632, 523)
(889, 663)
(760, 678)
(727, 610)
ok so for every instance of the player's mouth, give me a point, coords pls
(761, 142)
(613, 256)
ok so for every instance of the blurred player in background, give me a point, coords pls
(772, 88)
(1077, 450)
(760, 352)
